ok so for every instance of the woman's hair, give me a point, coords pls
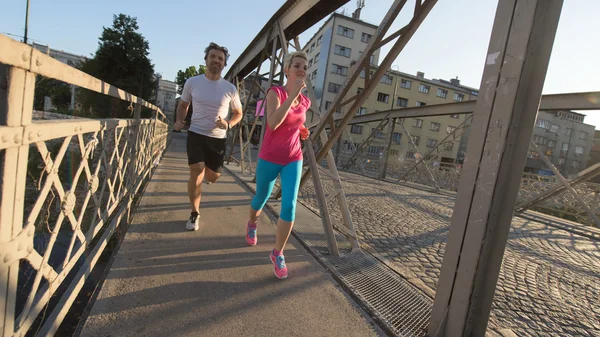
(287, 61)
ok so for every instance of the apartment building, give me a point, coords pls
(331, 52)
(565, 139)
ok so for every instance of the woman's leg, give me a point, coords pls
(266, 174)
(290, 182)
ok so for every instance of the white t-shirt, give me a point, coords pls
(210, 99)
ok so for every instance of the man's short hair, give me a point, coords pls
(215, 46)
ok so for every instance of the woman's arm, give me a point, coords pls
(277, 111)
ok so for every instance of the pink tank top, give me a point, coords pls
(282, 146)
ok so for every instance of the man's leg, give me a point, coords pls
(215, 157)
(211, 176)
(197, 172)
(196, 161)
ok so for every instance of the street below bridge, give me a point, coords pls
(549, 284)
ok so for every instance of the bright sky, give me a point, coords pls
(451, 42)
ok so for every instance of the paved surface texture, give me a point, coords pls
(166, 281)
(550, 279)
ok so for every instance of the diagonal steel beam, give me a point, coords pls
(566, 184)
(581, 177)
(386, 64)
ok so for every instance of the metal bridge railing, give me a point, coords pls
(66, 186)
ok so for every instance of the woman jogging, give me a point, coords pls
(281, 154)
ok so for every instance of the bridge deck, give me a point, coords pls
(166, 281)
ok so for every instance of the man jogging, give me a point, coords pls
(211, 97)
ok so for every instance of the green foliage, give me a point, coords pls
(191, 71)
(121, 60)
(59, 92)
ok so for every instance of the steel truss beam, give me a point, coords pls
(572, 101)
(566, 184)
(422, 9)
(581, 177)
(511, 87)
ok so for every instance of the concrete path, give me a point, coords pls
(166, 281)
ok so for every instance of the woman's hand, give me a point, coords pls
(304, 133)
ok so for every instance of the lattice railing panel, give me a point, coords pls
(77, 185)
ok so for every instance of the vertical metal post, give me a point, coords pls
(26, 22)
(511, 87)
(16, 106)
(387, 149)
(322, 202)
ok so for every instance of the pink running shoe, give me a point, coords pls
(279, 263)
(251, 237)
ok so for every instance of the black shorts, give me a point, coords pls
(206, 149)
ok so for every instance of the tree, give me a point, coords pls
(121, 60)
(191, 71)
(59, 92)
(183, 76)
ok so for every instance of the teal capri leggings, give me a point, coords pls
(266, 174)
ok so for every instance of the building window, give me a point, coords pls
(578, 150)
(314, 75)
(442, 93)
(424, 88)
(340, 70)
(583, 135)
(575, 164)
(418, 123)
(448, 146)
(381, 97)
(393, 152)
(334, 88)
(359, 90)
(312, 47)
(366, 37)
(319, 39)
(431, 143)
(345, 31)
(569, 131)
(377, 133)
(327, 105)
(416, 140)
(343, 51)
(540, 123)
(387, 79)
(403, 102)
(357, 129)
(459, 97)
(540, 140)
(551, 144)
(374, 149)
(406, 84)
(421, 103)
(554, 128)
(565, 147)
(70, 62)
(397, 137)
(316, 58)
(361, 111)
(310, 63)
(434, 126)
(410, 155)
(450, 129)
(455, 116)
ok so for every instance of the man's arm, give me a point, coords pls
(236, 117)
(182, 107)
(180, 114)
(182, 110)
